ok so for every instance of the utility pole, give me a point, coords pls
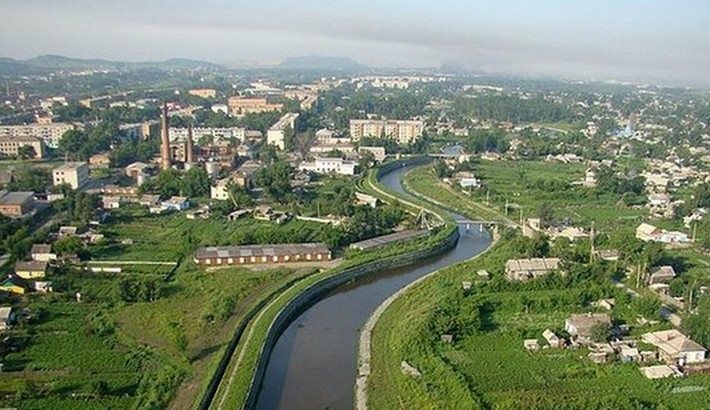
(591, 239)
(488, 198)
(521, 215)
(695, 231)
(506, 207)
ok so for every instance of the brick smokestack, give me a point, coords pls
(164, 139)
(190, 145)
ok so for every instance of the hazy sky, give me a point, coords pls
(668, 40)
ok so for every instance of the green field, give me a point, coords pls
(487, 366)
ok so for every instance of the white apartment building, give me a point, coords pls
(76, 174)
(402, 131)
(9, 146)
(276, 135)
(50, 134)
(216, 134)
(330, 166)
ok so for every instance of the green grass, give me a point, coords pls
(489, 368)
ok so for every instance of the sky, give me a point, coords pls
(666, 41)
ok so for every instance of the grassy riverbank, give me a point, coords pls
(486, 366)
(236, 385)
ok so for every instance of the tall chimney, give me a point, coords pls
(165, 139)
(190, 145)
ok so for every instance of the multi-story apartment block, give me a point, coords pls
(76, 174)
(276, 135)
(216, 134)
(240, 106)
(402, 131)
(203, 92)
(49, 133)
(9, 145)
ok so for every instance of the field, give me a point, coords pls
(110, 352)
(168, 238)
(529, 184)
(487, 366)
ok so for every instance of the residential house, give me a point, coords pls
(524, 269)
(31, 269)
(42, 252)
(580, 325)
(675, 347)
(16, 203)
(661, 274)
(647, 232)
(552, 339)
(365, 199)
(75, 174)
(14, 285)
(6, 317)
(176, 203)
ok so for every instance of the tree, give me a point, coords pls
(600, 332)
(275, 180)
(68, 245)
(546, 213)
(26, 152)
(196, 182)
(167, 183)
(239, 195)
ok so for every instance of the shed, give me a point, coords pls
(531, 344)
(552, 338)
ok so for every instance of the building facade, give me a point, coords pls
(402, 131)
(76, 174)
(50, 134)
(240, 106)
(10, 145)
(262, 254)
(276, 135)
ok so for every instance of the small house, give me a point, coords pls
(629, 354)
(608, 255)
(598, 357)
(6, 317)
(675, 347)
(552, 339)
(42, 286)
(466, 285)
(447, 338)
(176, 203)
(65, 231)
(580, 325)
(14, 285)
(42, 252)
(661, 274)
(531, 345)
(239, 213)
(659, 372)
(31, 269)
(483, 274)
(607, 304)
(524, 269)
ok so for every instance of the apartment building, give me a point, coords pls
(402, 131)
(9, 145)
(276, 135)
(240, 106)
(203, 92)
(215, 134)
(50, 134)
(76, 174)
(330, 166)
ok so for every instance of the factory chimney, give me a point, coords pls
(164, 139)
(190, 146)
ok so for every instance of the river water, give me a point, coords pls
(313, 364)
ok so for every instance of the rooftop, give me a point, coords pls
(259, 250)
(15, 198)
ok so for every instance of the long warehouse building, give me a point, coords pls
(262, 254)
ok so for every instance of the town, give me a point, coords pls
(147, 220)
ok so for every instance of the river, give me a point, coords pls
(313, 364)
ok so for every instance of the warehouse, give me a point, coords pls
(262, 254)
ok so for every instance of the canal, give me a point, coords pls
(313, 364)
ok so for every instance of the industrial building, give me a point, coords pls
(261, 254)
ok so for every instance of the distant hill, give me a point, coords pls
(321, 63)
(45, 64)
